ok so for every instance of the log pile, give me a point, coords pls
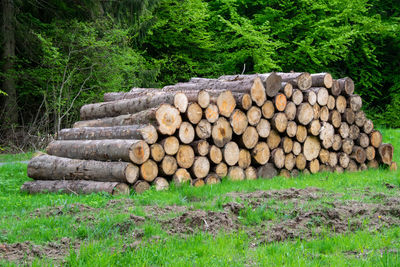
(236, 126)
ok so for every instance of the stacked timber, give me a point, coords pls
(236, 126)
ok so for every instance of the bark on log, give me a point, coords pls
(201, 167)
(385, 152)
(267, 171)
(160, 183)
(301, 80)
(238, 121)
(186, 132)
(141, 186)
(170, 145)
(181, 176)
(236, 173)
(157, 152)
(261, 153)
(215, 154)
(135, 93)
(346, 85)
(201, 147)
(253, 115)
(221, 132)
(203, 129)
(305, 114)
(185, 156)
(263, 128)
(355, 102)
(335, 89)
(168, 166)
(136, 151)
(321, 80)
(75, 187)
(231, 153)
(46, 167)
(149, 170)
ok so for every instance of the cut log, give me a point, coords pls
(393, 166)
(355, 102)
(376, 139)
(344, 130)
(280, 101)
(338, 169)
(313, 166)
(297, 97)
(186, 132)
(160, 184)
(231, 153)
(236, 173)
(322, 95)
(279, 122)
(331, 102)
(146, 132)
(168, 119)
(211, 113)
(46, 167)
(295, 173)
(244, 158)
(250, 173)
(354, 132)
(359, 154)
(352, 166)
(346, 85)
(284, 173)
(305, 114)
(181, 102)
(337, 142)
(273, 140)
(301, 162)
(341, 104)
(370, 151)
(287, 89)
(368, 126)
(243, 101)
(157, 152)
(74, 187)
(296, 148)
(323, 156)
(324, 114)
(201, 147)
(373, 164)
(310, 97)
(301, 80)
(335, 118)
(291, 129)
(326, 135)
(335, 89)
(324, 168)
(215, 154)
(333, 159)
(385, 154)
(263, 128)
(267, 171)
(314, 127)
(278, 157)
(261, 153)
(349, 116)
(287, 144)
(185, 156)
(301, 134)
(149, 170)
(268, 109)
(181, 176)
(203, 98)
(221, 169)
(203, 129)
(290, 161)
(201, 167)
(168, 166)
(347, 146)
(290, 111)
(226, 103)
(363, 140)
(137, 151)
(141, 186)
(221, 132)
(321, 80)
(170, 145)
(344, 160)
(249, 138)
(311, 148)
(198, 182)
(253, 115)
(360, 118)
(194, 113)
(363, 167)
(239, 121)
(316, 111)
(257, 92)
(212, 178)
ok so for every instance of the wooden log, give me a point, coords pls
(181, 102)
(316, 111)
(212, 178)
(267, 171)
(370, 151)
(311, 148)
(337, 142)
(211, 113)
(203, 129)
(341, 104)
(186, 133)
(287, 89)
(194, 113)
(268, 109)
(181, 176)
(149, 169)
(141, 186)
(284, 173)
(354, 132)
(287, 144)
(346, 85)
(349, 116)
(376, 139)
(305, 114)
(257, 92)
(236, 173)
(273, 140)
(321, 80)
(203, 98)
(168, 166)
(368, 126)
(201, 147)
(331, 102)
(137, 151)
(157, 152)
(226, 103)
(201, 167)
(363, 167)
(198, 182)
(314, 127)
(244, 158)
(160, 184)
(301, 162)
(215, 154)
(310, 97)
(326, 135)
(243, 101)
(291, 129)
(301, 80)
(290, 111)
(358, 154)
(296, 148)
(373, 164)
(333, 159)
(231, 153)
(323, 156)
(250, 173)
(347, 146)
(221, 169)
(290, 161)
(146, 132)
(249, 138)
(279, 122)
(46, 167)
(135, 93)
(260, 153)
(344, 130)
(238, 121)
(301, 134)
(278, 157)
(338, 169)
(297, 97)
(185, 156)
(352, 166)
(363, 140)
(322, 95)
(344, 160)
(74, 187)
(280, 102)
(314, 166)
(335, 89)
(324, 114)
(170, 145)
(221, 132)
(385, 154)
(360, 118)
(168, 119)
(295, 173)
(263, 128)
(253, 115)
(355, 102)
(335, 118)
(324, 168)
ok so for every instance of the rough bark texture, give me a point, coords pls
(321, 80)
(385, 152)
(346, 85)
(301, 80)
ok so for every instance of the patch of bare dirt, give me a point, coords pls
(70, 209)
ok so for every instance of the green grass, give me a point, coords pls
(106, 240)
(16, 157)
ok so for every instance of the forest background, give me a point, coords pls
(60, 54)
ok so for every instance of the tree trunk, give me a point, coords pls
(185, 156)
(287, 89)
(244, 158)
(170, 145)
(181, 176)
(273, 139)
(168, 166)
(335, 89)
(215, 154)
(203, 129)
(385, 152)
(231, 153)
(221, 169)
(186, 132)
(355, 102)
(149, 170)
(253, 115)
(249, 139)
(311, 148)
(261, 153)
(263, 128)
(368, 126)
(346, 85)
(305, 113)
(335, 118)
(226, 103)
(238, 121)
(141, 186)
(157, 152)
(344, 130)
(360, 118)
(287, 144)
(201, 147)
(322, 95)
(291, 129)
(376, 139)
(203, 98)
(250, 173)
(211, 113)
(324, 113)
(267, 171)
(221, 132)
(268, 109)
(194, 113)
(236, 173)
(321, 80)
(280, 101)
(278, 158)
(290, 161)
(301, 133)
(134, 93)
(290, 111)
(301, 80)
(359, 154)
(341, 104)
(347, 146)
(279, 122)
(297, 97)
(331, 102)
(160, 184)
(201, 167)
(212, 178)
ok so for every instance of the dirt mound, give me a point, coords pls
(69, 209)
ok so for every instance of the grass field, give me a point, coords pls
(327, 219)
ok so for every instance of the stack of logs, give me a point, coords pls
(236, 126)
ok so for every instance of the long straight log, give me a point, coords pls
(301, 80)
(134, 93)
(321, 80)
